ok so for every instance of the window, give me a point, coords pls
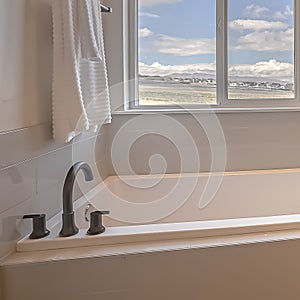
(222, 53)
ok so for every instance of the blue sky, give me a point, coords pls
(184, 19)
(183, 32)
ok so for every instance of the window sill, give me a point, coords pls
(221, 110)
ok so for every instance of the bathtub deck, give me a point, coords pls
(148, 247)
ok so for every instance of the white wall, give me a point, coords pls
(32, 166)
(254, 140)
(25, 52)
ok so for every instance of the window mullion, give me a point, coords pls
(221, 52)
(132, 80)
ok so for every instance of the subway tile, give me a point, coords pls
(17, 184)
(82, 186)
(85, 150)
(101, 146)
(52, 168)
(30, 142)
(13, 227)
(49, 201)
(24, 144)
(15, 147)
(35, 186)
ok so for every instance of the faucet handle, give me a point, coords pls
(96, 225)
(104, 212)
(39, 229)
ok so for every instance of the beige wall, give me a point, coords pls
(32, 166)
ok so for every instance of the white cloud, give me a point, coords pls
(267, 41)
(156, 2)
(255, 11)
(284, 15)
(185, 47)
(145, 32)
(264, 69)
(242, 24)
(164, 70)
(148, 15)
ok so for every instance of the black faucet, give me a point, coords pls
(68, 223)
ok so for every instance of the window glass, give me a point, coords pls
(177, 52)
(260, 49)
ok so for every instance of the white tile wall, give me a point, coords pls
(17, 183)
(32, 165)
(35, 186)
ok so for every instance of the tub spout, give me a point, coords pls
(69, 227)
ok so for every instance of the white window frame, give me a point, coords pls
(130, 14)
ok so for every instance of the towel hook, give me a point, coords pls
(106, 9)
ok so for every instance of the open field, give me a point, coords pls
(157, 93)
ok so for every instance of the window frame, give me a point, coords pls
(223, 103)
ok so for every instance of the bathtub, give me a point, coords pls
(168, 208)
(242, 243)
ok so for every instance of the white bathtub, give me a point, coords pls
(244, 244)
(244, 203)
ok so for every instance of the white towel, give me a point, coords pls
(80, 86)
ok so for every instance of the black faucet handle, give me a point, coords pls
(104, 212)
(96, 225)
(39, 229)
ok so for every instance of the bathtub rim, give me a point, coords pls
(95, 252)
(269, 224)
(136, 234)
